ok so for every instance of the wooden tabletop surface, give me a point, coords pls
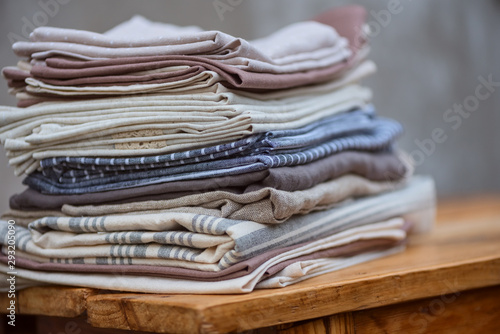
(461, 253)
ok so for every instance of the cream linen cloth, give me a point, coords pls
(386, 229)
(201, 80)
(215, 94)
(166, 123)
(302, 270)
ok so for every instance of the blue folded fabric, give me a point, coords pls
(381, 136)
(315, 133)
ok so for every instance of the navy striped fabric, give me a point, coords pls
(380, 138)
(312, 134)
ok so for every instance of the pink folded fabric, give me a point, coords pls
(347, 21)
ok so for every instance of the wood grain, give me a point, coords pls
(78, 325)
(476, 311)
(54, 300)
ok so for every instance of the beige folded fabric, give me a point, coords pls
(166, 123)
(266, 205)
(214, 95)
(298, 47)
(24, 217)
(302, 270)
(414, 202)
(199, 81)
(140, 117)
(388, 229)
(164, 248)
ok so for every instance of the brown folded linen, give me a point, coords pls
(33, 200)
(373, 166)
(15, 83)
(237, 270)
(347, 21)
(124, 79)
(14, 73)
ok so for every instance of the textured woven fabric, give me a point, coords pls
(317, 132)
(373, 166)
(347, 21)
(266, 205)
(298, 47)
(415, 202)
(381, 138)
(155, 125)
(365, 244)
(300, 270)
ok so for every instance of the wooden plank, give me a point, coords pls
(341, 323)
(475, 311)
(147, 312)
(78, 325)
(54, 300)
(316, 326)
(454, 257)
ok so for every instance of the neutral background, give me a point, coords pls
(429, 54)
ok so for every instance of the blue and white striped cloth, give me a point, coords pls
(380, 138)
(312, 134)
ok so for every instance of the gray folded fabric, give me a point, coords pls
(357, 121)
(373, 166)
(381, 138)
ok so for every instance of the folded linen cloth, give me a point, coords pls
(365, 244)
(138, 132)
(299, 270)
(302, 270)
(199, 80)
(381, 138)
(351, 131)
(266, 205)
(213, 95)
(199, 76)
(354, 241)
(235, 285)
(245, 239)
(385, 166)
(170, 73)
(297, 47)
(318, 132)
(348, 21)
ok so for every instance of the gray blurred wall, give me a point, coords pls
(430, 55)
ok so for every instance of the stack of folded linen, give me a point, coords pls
(176, 160)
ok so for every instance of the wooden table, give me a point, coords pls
(448, 280)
